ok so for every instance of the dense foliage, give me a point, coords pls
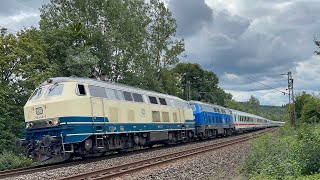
(294, 154)
(131, 42)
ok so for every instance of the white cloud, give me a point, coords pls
(307, 74)
(20, 20)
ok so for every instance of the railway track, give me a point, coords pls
(41, 168)
(116, 171)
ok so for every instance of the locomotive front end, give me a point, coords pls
(46, 123)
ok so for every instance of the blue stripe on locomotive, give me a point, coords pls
(77, 129)
(210, 118)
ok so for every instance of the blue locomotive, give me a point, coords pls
(211, 120)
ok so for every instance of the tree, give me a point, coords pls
(203, 84)
(131, 41)
(233, 104)
(253, 104)
(23, 65)
(310, 111)
(307, 108)
(301, 100)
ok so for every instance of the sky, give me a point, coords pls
(239, 40)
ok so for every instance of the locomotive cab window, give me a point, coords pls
(153, 100)
(111, 93)
(137, 97)
(55, 90)
(163, 101)
(96, 91)
(37, 93)
(81, 90)
(193, 107)
(127, 96)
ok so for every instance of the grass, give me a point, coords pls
(11, 160)
(295, 154)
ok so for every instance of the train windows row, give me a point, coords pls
(102, 92)
(53, 90)
(215, 119)
(157, 116)
(212, 109)
(246, 119)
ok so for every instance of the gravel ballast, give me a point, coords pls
(219, 164)
(214, 164)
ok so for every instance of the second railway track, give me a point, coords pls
(116, 171)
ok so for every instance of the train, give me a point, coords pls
(68, 117)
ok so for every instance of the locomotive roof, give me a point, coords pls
(199, 102)
(109, 84)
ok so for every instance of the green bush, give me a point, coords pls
(11, 160)
(295, 153)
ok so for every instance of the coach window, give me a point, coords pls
(96, 91)
(111, 93)
(127, 96)
(137, 97)
(81, 90)
(153, 100)
(163, 101)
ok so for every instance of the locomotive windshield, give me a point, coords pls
(37, 93)
(55, 90)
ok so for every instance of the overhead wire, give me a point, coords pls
(285, 93)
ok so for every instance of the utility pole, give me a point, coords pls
(292, 110)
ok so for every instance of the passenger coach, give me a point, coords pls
(81, 116)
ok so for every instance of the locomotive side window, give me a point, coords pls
(137, 97)
(155, 116)
(81, 90)
(165, 117)
(96, 91)
(153, 100)
(111, 93)
(163, 101)
(127, 96)
(55, 90)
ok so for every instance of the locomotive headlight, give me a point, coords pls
(29, 125)
(54, 122)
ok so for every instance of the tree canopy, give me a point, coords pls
(132, 42)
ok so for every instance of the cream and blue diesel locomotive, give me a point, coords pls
(80, 116)
(69, 116)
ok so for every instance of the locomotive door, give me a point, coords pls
(98, 117)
